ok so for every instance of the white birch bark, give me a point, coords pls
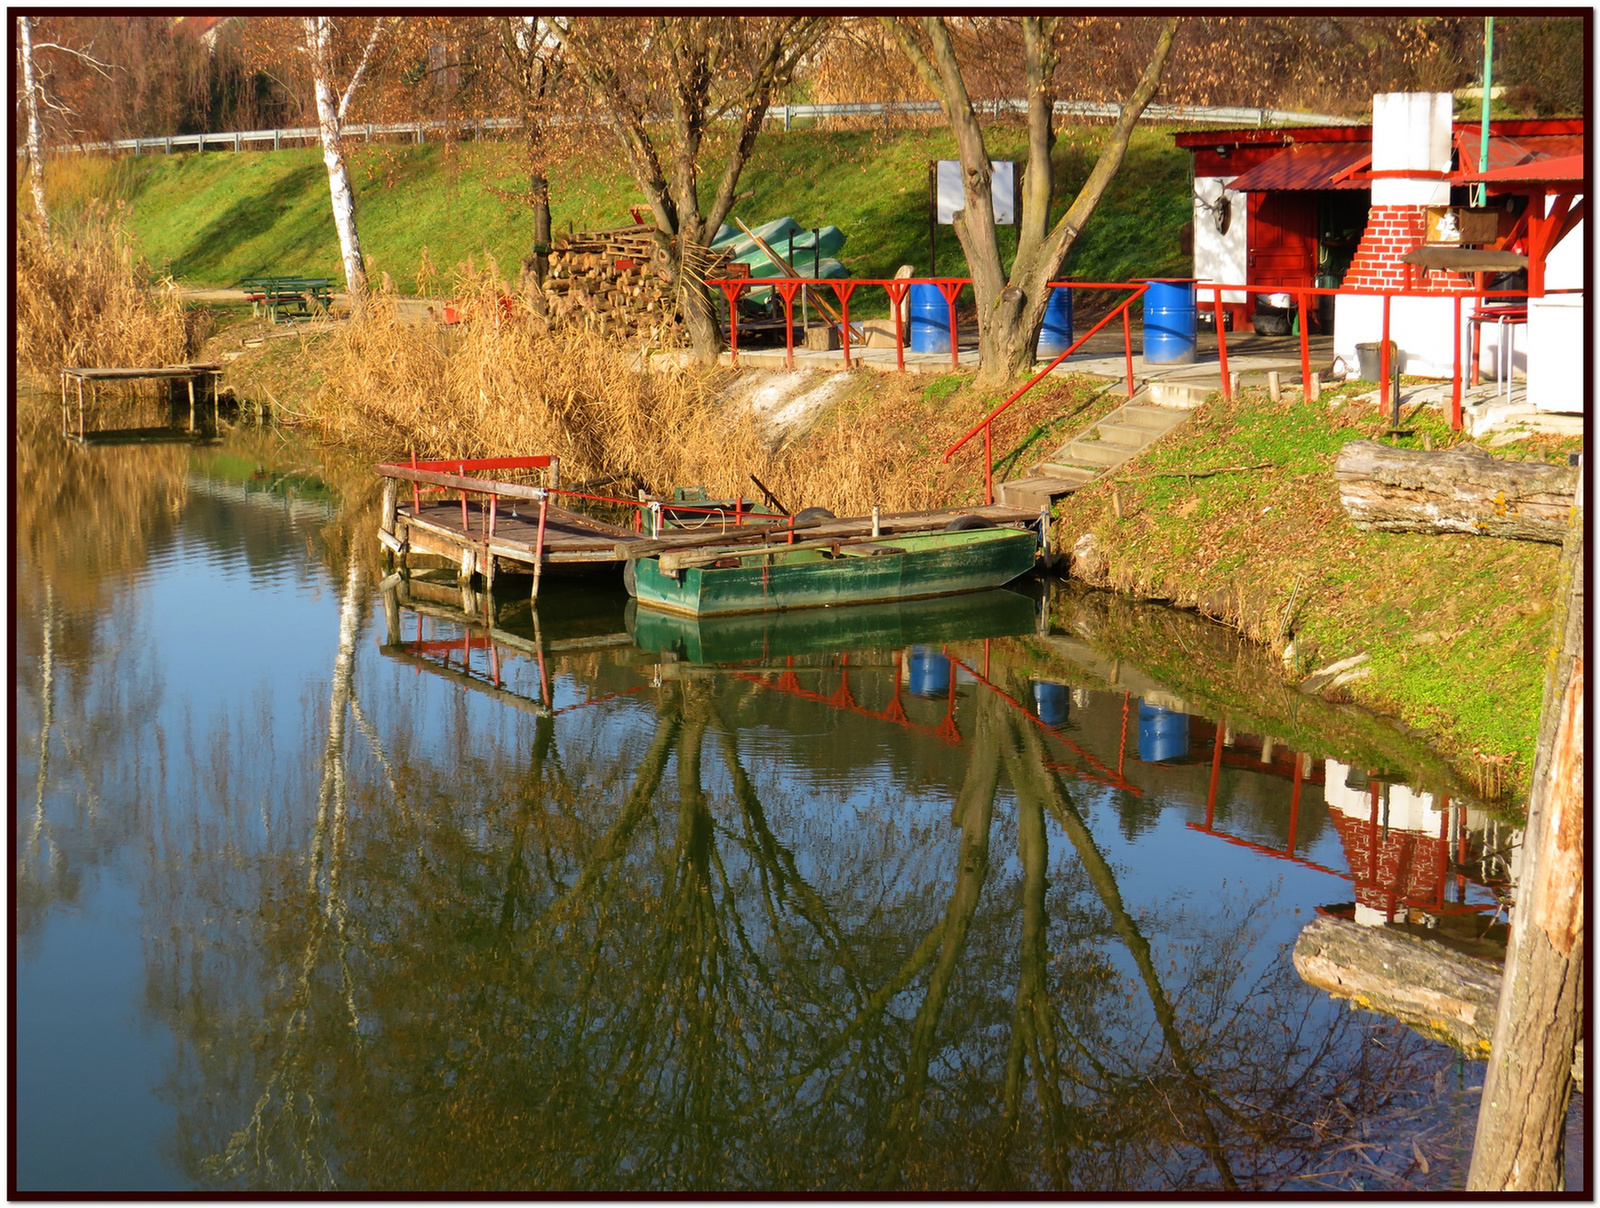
(30, 91)
(330, 124)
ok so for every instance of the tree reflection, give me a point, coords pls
(599, 958)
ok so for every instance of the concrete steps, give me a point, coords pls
(1119, 437)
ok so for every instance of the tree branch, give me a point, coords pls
(361, 67)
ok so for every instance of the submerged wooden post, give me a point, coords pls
(386, 514)
(190, 381)
(391, 613)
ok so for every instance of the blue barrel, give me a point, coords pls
(1051, 701)
(930, 320)
(930, 673)
(1169, 322)
(1163, 734)
(1055, 337)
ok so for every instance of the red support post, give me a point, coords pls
(988, 463)
(951, 290)
(786, 290)
(1222, 342)
(1455, 381)
(897, 292)
(1127, 341)
(1383, 359)
(732, 290)
(1305, 346)
(416, 494)
(842, 290)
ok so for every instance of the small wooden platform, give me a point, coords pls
(492, 525)
(189, 371)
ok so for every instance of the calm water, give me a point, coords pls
(319, 887)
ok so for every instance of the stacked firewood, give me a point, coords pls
(618, 283)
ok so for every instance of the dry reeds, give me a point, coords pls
(85, 298)
(495, 385)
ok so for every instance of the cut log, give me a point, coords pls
(1438, 991)
(1454, 491)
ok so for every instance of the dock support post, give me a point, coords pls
(66, 428)
(80, 410)
(468, 565)
(191, 405)
(1044, 533)
(538, 548)
(386, 515)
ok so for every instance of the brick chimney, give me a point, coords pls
(1409, 130)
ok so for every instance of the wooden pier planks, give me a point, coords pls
(188, 372)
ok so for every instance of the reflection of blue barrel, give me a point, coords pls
(1055, 337)
(1163, 734)
(1050, 702)
(1169, 323)
(930, 673)
(930, 320)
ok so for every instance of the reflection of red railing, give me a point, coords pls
(1366, 882)
(1114, 779)
(844, 700)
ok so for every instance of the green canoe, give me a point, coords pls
(818, 574)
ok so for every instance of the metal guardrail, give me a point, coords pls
(788, 115)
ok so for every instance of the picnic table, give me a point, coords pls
(288, 297)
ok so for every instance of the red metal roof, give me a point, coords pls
(1565, 168)
(1314, 166)
(1511, 152)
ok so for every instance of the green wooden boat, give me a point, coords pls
(822, 573)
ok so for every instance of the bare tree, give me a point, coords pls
(35, 100)
(1011, 308)
(696, 72)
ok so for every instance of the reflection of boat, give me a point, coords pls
(738, 639)
(815, 574)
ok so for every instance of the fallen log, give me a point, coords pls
(1454, 491)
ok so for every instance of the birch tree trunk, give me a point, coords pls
(30, 92)
(1521, 1138)
(330, 124)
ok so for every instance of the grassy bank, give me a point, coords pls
(212, 219)
(1456, 627)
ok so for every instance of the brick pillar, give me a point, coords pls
(1392, 231)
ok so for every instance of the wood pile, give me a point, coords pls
(619, 283)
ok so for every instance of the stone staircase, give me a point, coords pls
(1121, 436)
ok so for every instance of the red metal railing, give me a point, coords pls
(986, 425)
(1302, 293)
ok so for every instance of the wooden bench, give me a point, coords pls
(288, 297)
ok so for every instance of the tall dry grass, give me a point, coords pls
(84, 297)
(494, 386)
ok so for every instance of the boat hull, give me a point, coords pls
(895, 568)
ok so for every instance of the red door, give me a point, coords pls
(1283, 238)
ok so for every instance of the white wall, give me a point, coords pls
(1411, 130)
(1421, 328)
(1219, 257)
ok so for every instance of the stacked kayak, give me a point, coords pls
(811, 253)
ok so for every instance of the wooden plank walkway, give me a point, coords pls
(188, 372)
(494, 525)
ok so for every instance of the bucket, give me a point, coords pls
(929, 673)
(1055, 337)
(1371, 358)
(1163, 734)
(1051, 702)
(1169, 322)
(930, 320)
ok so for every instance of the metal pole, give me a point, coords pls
(1483, 108)
(1222, 345)
(1455, 382)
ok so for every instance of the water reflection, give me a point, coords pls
(439, 893)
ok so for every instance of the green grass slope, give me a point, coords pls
(211, 219)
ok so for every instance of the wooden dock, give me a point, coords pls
(79, 376)
(488, 525)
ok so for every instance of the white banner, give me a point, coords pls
(952, 196)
